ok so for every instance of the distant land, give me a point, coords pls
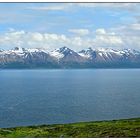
(104, 129)
(64, 57)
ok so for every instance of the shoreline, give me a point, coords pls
(107, 128)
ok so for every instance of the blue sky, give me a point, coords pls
(62, 23)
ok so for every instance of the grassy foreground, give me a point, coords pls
(114, 128)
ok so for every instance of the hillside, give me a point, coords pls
(114, 128)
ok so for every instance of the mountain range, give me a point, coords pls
(67, 58)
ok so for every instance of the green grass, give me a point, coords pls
(115, 128)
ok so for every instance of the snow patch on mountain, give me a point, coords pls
(57, 54)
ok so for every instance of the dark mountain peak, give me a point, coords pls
(23, 49)
(1, 50)
(16, 48)
(65, 50)
(19, 49)
(87, 51)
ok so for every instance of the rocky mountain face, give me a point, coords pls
(67, 58)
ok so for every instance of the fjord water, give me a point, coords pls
(32, 97)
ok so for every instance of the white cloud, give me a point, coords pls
(24, 39)
(128, 30)
(100, 31)
(119, 37)
(36, 36)
(48, 8)
(126, 36)
(58, 7)
(124, 6)
(116, 7)
(80, 32)
(135, 26)
(130, 34)
(107, 39)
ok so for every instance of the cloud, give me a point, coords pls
(107, 39)
(63, 6)
(80, 32)
(24, 39)
(100, 31)
(48, 8)
(135, 26)
(124, 6)
(127, 36)
(58, 7)
(130, 34)
(128, 30)
(52, 41)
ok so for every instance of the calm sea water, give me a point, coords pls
(31, 97)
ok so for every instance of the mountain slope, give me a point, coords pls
(67, 58)
(26, 58)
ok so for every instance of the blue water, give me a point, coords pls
(32, 97)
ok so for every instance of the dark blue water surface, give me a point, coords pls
(31, 97)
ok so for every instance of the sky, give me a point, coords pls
(74, 25)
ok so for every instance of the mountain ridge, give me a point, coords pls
(65, 57)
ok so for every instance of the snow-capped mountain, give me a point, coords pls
(110, 55)
(100, 54)
(67, 58)
(64, 53)
(22, 57)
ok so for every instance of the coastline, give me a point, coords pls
(110, 128)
